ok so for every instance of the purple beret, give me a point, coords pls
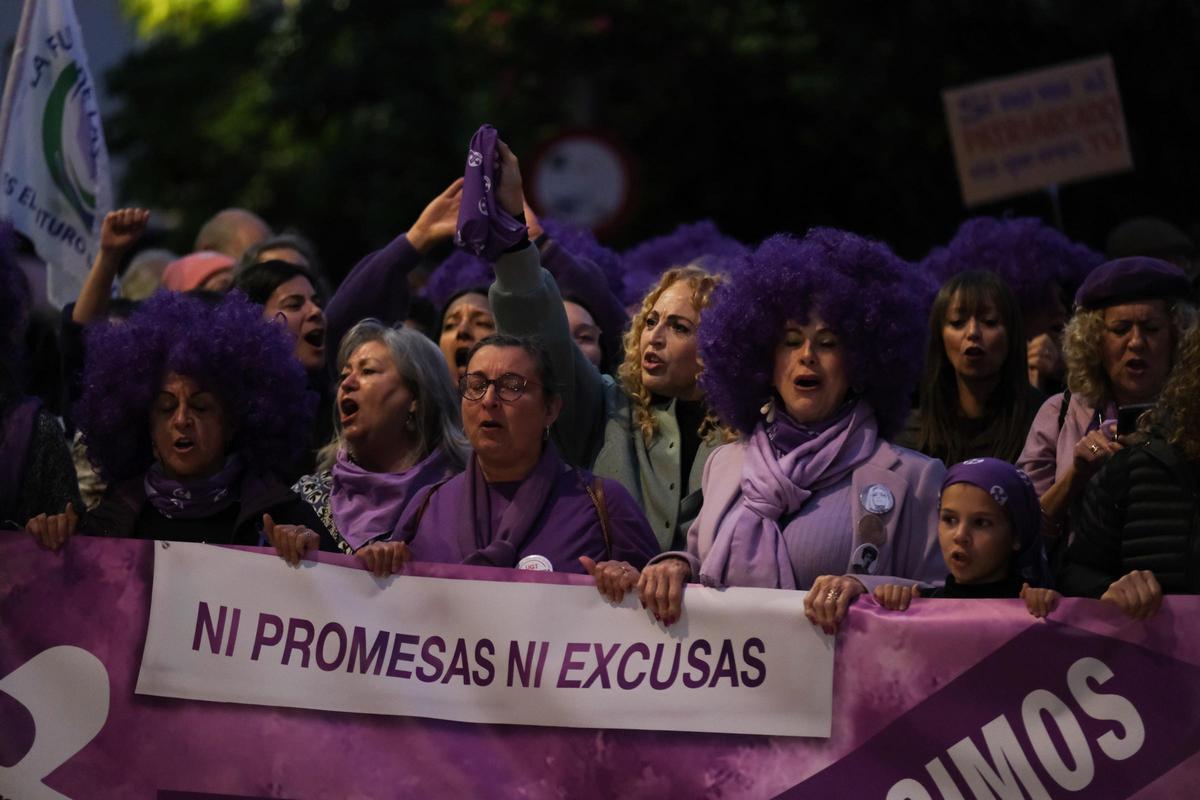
(485, 229)
(1012, 489)
(1132, 278)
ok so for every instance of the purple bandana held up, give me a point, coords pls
(368, 505)
(196, 499)
(484, 228)
(749, 549)
(1012, 489)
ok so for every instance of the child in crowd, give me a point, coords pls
(988, 529)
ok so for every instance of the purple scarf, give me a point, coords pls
(785, 464)
(499, 548)
(484, 228)
(193, 499)
(368, 505)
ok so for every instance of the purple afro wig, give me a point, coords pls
(876, 302)
(460, 272)
(226, 347)
(698, 242)
(581, 243)
(1028, 254)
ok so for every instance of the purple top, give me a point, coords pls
(485, 229)
(376, 287)
(565, 527)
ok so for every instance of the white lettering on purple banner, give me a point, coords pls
(241, 627)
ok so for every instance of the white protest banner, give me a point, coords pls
(56, 184)
(1037, 129)
(242, 627)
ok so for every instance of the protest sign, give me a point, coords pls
(1037, 129)
(951, 699)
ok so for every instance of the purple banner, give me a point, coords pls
(950, 699)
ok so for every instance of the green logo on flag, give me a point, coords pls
(58, 154)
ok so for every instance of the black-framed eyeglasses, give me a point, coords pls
(509, 386)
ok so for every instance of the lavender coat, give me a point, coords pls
(1049, 449)
(830, 522)
(567, 528)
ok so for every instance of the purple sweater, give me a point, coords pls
(376, 287)
(567, 528)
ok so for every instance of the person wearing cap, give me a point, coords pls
(989, 530)
(650, 429)
(1138, 527)
(811, 351)
(207, 270)
(1120, 345)
(517, 504)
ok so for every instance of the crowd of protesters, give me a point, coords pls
(1013, 416)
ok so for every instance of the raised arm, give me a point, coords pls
(526, 302)
(119, 231)
(378, 285)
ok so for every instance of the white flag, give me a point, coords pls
(56, 186)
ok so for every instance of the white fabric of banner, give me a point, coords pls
(244, 627)
(56, 181)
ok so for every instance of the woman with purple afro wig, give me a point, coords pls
(1039, 264)
(188, 409)
(811, 351)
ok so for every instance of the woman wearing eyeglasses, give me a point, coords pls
(517, 504)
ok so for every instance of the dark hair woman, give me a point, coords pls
(975, 399)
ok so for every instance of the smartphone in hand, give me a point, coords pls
(1127, 417)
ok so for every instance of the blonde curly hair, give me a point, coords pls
(702, 283)
(1177, 413)
(1083, 349)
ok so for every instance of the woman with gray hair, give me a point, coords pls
(1120, 347)
(398, 430)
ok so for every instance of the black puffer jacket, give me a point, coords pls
(1141, 511)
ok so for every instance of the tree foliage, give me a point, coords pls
(342, 117)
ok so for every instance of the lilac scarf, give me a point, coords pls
(485, 229)
(197, 499)
(368, 505)
(499, 548)
(786, 463)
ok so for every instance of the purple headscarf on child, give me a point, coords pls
(484, 228)
(1012, 489)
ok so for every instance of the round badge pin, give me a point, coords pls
(865, 560)
(871, 531)
(877, 499)
(536, 563)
